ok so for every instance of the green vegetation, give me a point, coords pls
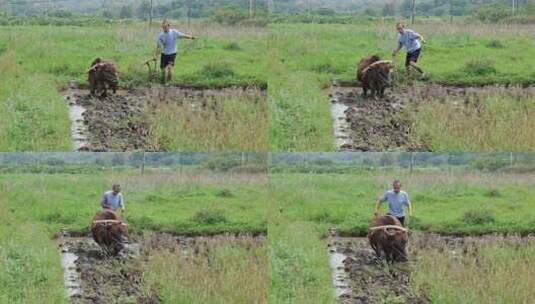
(300, 270)
(450, 203)
(33, 116)
(226, 272)
(489, 271)
(493, 121)
(238, 123)
(30, 270)
(157, 201)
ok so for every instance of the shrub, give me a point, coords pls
(232, 46)
(495, 44)
(480, 67)
(217, 70)
(493, 193)
(492, 13)
(478, 217)
(209, 217)
(222, 164)
(230, 17)
(488, 164)
(225, 193)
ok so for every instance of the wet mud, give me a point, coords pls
(122, 121)
(384, 124)
(360, 277)
(91, 276)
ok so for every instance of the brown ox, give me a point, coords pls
(374, 74)
(388, 238)
(101, 75)
(109, 231)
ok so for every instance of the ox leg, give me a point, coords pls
(364, 91)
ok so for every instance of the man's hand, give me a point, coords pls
(394, 53)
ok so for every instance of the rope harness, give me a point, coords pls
(109, 222)
(388, 227)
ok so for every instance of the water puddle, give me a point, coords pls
(78, 128)
(341, 127)
(71, 277)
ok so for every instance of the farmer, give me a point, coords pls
(113, 199)
(396, 199)
(166, 46)
(412, 42)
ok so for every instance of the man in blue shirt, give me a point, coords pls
(166, 45)
(113, 199)
(396, 199)
(412, 42)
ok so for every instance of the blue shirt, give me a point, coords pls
(409, 39)
(168, 41)
(396, 201)
(111, 201)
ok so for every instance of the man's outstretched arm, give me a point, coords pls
(396, 51)
(377, 207)
(158, 50)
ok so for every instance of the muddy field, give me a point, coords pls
(122, 121)
(93, 277)
(359, 277)
(384, 124)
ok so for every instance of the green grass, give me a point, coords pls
(300, 270)
(33, 116)
(30, 270)
(305, 57)
(440, 200)
(66, 52)
(157, 202)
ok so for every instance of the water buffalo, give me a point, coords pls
(375, 75)
(109, 231)
(101, 75)
(388, 238)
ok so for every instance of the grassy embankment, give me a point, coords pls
(35, 207)
(444, 202)
(40, 59)
(305, 57)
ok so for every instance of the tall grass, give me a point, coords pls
(236, 123)
(486, 271)
(299, 264)
(298, 100)
(500, 122)
(33, 116)
(215, 271)
(30, 270)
